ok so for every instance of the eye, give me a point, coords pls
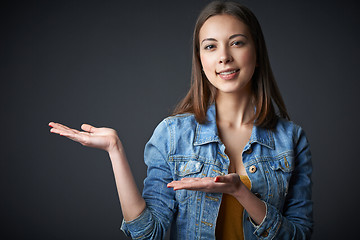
(238, 43)
(209, 47)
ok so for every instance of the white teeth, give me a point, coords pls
(229, 72)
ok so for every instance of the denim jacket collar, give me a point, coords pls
(208, 132)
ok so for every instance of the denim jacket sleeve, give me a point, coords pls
(296, 219)
(160, 200)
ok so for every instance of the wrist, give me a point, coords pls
(240, 192)
(115, 146)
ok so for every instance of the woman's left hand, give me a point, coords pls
(229, 184)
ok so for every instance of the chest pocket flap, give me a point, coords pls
(284, 163)
(188, 167)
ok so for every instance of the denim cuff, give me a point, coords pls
(138, 227)
(269, 226)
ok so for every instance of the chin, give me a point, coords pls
(235, 89)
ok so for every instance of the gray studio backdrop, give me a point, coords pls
(125, 64)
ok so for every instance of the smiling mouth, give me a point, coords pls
(228, 72)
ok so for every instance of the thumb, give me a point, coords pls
(220, 179)
(88, 128)
(227, 178)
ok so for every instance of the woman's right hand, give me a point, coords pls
(132, 203)
(102, 138)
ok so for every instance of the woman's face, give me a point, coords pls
(227, 53)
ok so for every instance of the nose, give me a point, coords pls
(225, 56)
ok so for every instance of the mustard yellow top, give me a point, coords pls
(230, 219)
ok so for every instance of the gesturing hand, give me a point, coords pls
(229, 184)
(102, 138)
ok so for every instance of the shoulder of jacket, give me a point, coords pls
(180, 119)
(286, 125)
(288, 128)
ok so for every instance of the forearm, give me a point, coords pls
(131, 201)
(132, 204)
(252, 204)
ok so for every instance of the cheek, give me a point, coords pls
(208, 68)
(249, 57)
(206, 63)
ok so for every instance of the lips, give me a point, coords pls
(228, 71)
(228, 74)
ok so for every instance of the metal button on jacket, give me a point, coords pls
(249, 151)
(252, 169)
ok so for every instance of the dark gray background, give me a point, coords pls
(126, 65)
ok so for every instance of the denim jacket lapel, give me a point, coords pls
(208, 132)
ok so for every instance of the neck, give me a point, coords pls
(234, 110)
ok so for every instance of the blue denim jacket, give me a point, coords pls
(277, 162)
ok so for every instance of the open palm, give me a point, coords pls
(102, 138)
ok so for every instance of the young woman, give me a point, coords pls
(225, 165)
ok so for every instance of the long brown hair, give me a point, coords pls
(264, 88)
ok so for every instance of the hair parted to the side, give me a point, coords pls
(264, 88)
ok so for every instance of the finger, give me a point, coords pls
(171, 184)
(72, 134)
(57, 130)
(62, 132)
(81, 137)
(61, 129)
(88, 128)
(58, 125)
(178, 184)
(189, 179)
(174, 184)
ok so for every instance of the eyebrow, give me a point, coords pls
(231, 37)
